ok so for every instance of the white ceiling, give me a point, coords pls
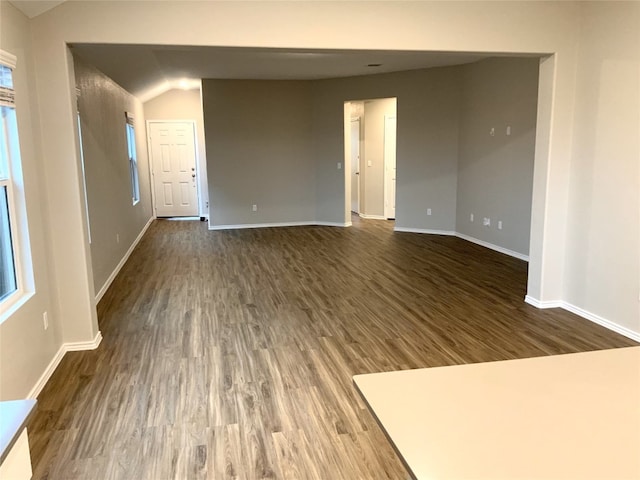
(149, 70)
(33, 8)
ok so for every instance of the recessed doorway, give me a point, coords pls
(172, 152)
(370, 157)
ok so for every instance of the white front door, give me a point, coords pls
(390, 167)
(173, 157)
(355, 165)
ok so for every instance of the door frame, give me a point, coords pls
(197, 163)
(359, 176)
(385, 186)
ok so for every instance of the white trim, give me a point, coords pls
(46, 375)
(424, 230)
(482, 243)
(80, 346)
(372, 217)
(332, 224)
(497, 248)
(260, 225)
(243, 226)
(14, 302)
(8, 59)
(115, 272)
(543, 304)
(592, 317)
(57, 358)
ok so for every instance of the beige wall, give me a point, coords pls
(114, 221)
(603, 247)
(25, 347)
(258, 136)
(179, 104)
(373, 174)
(495, 173)
(528, 27)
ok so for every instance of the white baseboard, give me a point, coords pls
(372, 217)
(424, 230)
(79, 346)
(57, 358)
(491, 246)
(115, 272)
(259, 225)
(333, 224)
(46, 375)
(592, 317)
(543, 304)
(482, 243)
(277, 225)
(602, 321)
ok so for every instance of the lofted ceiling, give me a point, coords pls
(149, 70)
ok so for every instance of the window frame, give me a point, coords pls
(13, 181)
(133, 158)
(6, 183)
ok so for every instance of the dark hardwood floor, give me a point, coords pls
(230, 354)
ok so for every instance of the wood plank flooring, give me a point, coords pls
(229, 354)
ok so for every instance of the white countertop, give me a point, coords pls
(571, 416)
(13, 419)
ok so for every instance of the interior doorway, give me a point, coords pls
(390, 167)
(355, 164)
(370, 157)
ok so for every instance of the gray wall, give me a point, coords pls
(258, 137)
(102, 107)
(277, 144)
(180, 104)
(270, 138)
(427, 143)
(495, 173)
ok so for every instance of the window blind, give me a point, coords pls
(7, 94)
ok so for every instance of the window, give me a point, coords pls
(82, 164)
(8, 280)
(11, 189)
(133, 161)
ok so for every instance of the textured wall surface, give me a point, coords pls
(114, 221)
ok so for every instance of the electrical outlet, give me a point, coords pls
(492, 132)
(117, 238)
(486, 222)
(509, 130)
(471, 217)
(428, 211)
(499, 224)
(339, 165)
(254, 208)
(45, 320)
